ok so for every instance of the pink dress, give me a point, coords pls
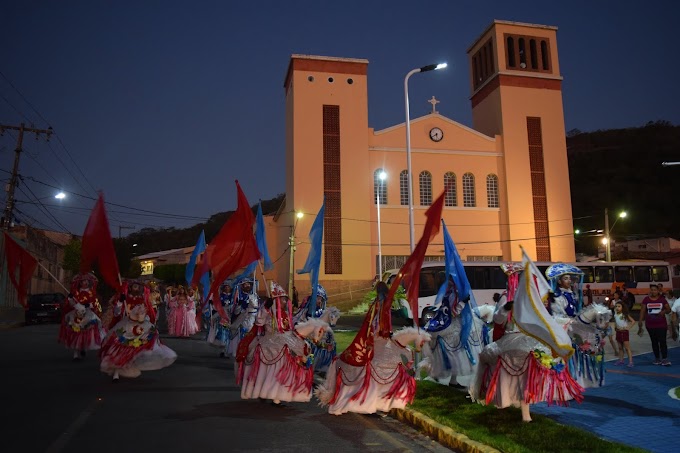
(183, 316)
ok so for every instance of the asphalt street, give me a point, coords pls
(52, 404)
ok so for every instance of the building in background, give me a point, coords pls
(507, 176)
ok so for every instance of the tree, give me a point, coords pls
(72, 253)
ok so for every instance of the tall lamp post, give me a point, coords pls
(381, 176)
(431, 67)
(607, 231)
(291, 245)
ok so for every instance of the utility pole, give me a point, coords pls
(124, 227)
(11, 186)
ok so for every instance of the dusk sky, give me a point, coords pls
(163, 104)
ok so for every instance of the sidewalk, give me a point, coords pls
(634, 406)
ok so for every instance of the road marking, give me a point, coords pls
(72, 429)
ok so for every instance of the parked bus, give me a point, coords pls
(487, 278)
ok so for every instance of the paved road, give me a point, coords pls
(634, 406)
(52, 404)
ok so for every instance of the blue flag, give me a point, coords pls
(191, 266)
(261, 239)
(314, 258)
(454, 269)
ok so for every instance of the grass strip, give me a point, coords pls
(503, 429)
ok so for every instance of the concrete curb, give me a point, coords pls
(10, 325)
(442, 434)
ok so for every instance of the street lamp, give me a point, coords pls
(381, 176)
(431, 67)
(291, 244)
(607, 231)
(60, 196)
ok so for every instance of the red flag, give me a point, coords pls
(410, 271)
(17, 257)
(234, 247)
(98, 247)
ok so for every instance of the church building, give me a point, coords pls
(507, 177)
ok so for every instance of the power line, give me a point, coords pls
(24, 98)
(43, 209)
(15, 108)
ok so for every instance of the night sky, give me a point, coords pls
(162, 104)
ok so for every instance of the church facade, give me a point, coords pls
(506, 177)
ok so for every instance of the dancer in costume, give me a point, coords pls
(457, 339)
(375, 373)
(518, 370)
(218, 335)
(81, 329)
(134, 345)
(587, 326)
(303, 312)
(183, 314)
(278, 365)
(170, 306)
(325, 350)
(191, 323)
(155, 296)
(244, 311)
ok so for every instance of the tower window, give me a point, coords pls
(522, 53)
(545, 57)
(403, 187)
(482, 64)
(511, 52)
(532, 52)
(330, 80)
(469, 190)
(450, 199)
(534, 55)
(350, 81)
(425, 179)
(492, 191)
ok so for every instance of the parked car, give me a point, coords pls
(44, 307)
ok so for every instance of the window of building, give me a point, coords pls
(545, 57)
(643, 274)
(529, 50)
(469, 190)
(511, 51)
(492, 191)
(403, 187)
(483, 66)
(660, 274)
(451, 197)
(425, 180)
(379, 187)
(533, 54)
(623, 273)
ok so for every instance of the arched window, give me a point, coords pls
(379, 187)
(469, 190)
(403, 187)
(425, 180)
(534, 54)
(492, 191)
(544, 56)
(511, 52)
(451, 197)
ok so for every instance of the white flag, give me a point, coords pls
(531, 316)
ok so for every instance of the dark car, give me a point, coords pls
(44, 308)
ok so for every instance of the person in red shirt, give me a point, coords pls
(653, 314)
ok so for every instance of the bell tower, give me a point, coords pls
(516, 91)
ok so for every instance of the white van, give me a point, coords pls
(486, 278)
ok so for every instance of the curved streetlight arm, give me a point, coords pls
(411, 233)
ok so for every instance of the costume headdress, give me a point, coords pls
(138, 298)
(556, 271)
(79, 278)
(283, 308)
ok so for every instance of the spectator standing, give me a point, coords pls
(628, 298)
(624, 322)
(675, 317)
(653, 314)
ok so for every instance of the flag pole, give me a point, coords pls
(264, 278)
(51, 275)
